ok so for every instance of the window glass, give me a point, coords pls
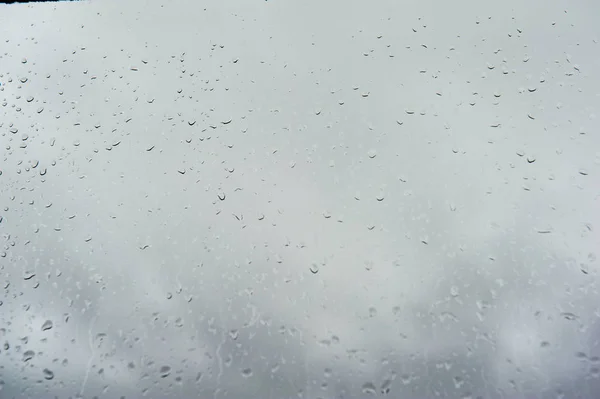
(299, 199)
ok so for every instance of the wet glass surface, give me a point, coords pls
(285, 199)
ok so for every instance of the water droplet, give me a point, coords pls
(47, 325)
(369, 388)
(385, 386)
(372, 153)
(247, 372)
(583, 172)
(165, 371)
(28, 355)
(221, 196)
(569, 315)
(48, 374)
(28, 275)
(458, 382)
(314, 268)
(234, 334)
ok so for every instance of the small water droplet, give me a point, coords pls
(583, 172)
(372, 153)
(221, 196)
(165, 371)
(247, 372)
(47, 325)
(48, 374)
(28, 275)
(369, 388)
(569, 315)
(28, 355)
(385, 386)
(314, 268)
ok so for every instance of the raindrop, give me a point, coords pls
(583, 172)
(369, 388)
(226, 122)
(28, 275)
(221, 196)
(569, 315)
(165, 371)
(247, 372)
(28, 355)
(531, 159)
(234, 334)
(372, 153)
(314, 268)
(48, 374)
(385, 387)
(47, 325)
